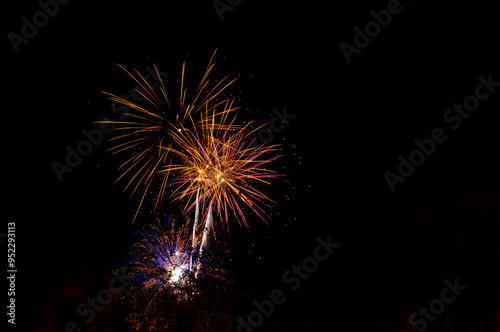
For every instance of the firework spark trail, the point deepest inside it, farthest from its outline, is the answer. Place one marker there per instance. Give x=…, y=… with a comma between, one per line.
x=195, y=225
x=204, y=240
x=149, y=133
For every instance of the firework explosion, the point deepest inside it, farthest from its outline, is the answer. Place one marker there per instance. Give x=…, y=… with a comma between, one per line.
x=162, y=290
x=160, y=259
x=149, y=132
x=221, y=168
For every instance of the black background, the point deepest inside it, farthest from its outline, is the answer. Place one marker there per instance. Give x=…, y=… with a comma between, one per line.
x=353, y=120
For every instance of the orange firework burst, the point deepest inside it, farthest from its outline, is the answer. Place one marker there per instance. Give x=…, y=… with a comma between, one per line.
x=221, y=168
x=149, y=133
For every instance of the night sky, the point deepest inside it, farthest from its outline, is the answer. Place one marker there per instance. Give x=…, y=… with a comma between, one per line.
x=353, y=119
